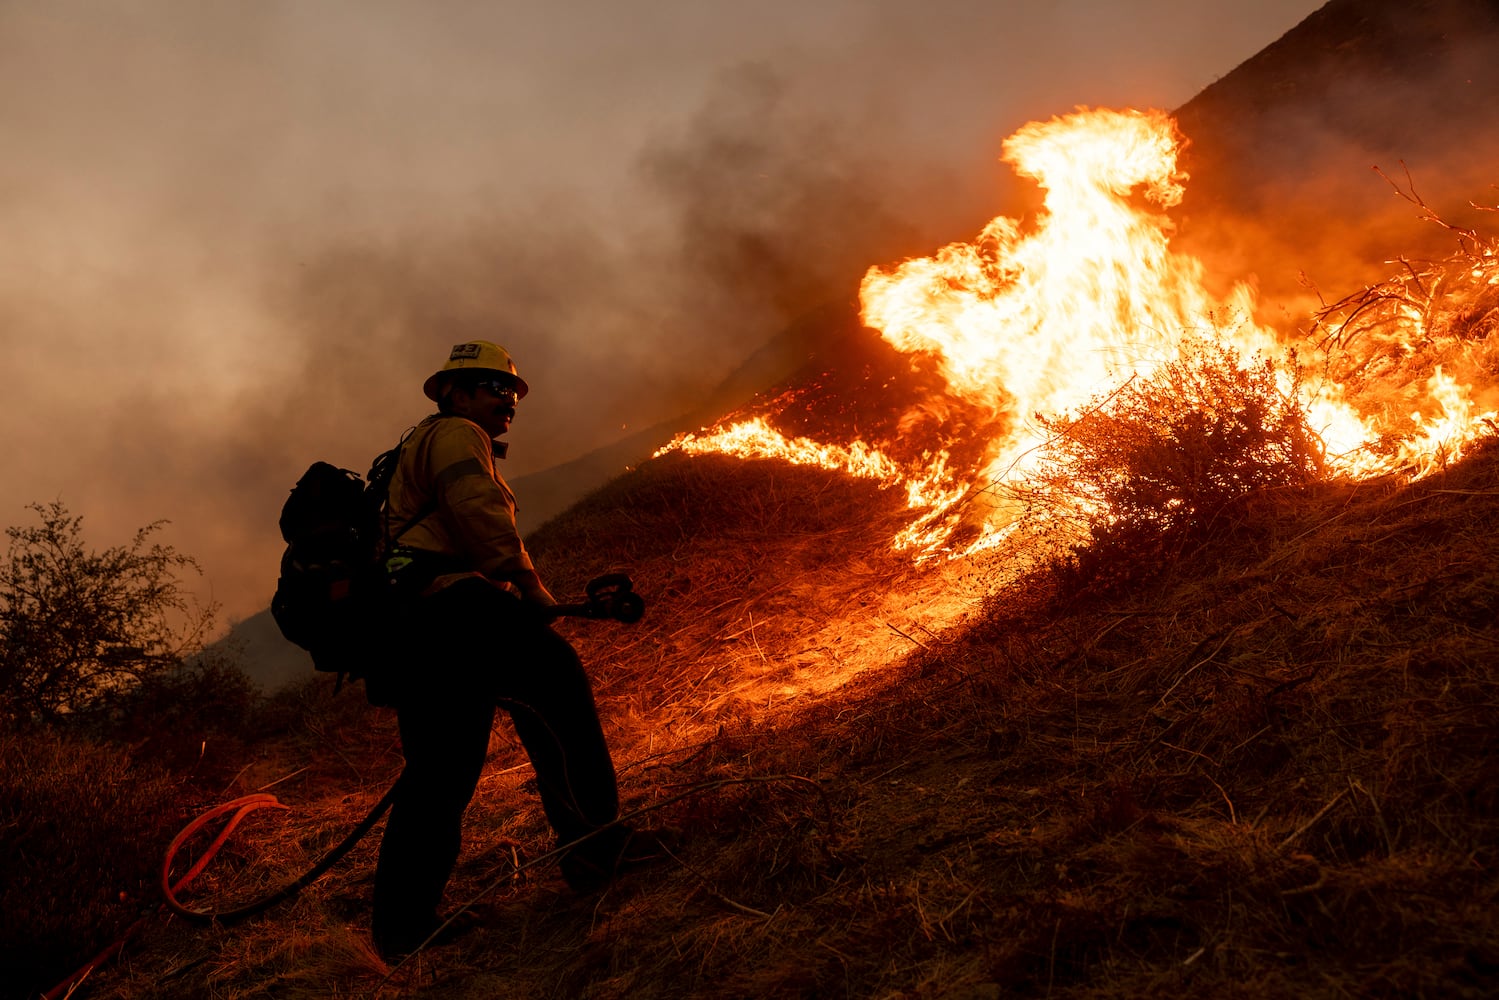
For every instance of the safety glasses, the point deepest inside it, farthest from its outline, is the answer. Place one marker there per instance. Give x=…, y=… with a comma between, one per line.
x=500, y=390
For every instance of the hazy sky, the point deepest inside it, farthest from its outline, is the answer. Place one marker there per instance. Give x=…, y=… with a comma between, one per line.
x=236, y=236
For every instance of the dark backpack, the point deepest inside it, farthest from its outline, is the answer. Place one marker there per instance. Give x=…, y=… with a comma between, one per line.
x=332, y=595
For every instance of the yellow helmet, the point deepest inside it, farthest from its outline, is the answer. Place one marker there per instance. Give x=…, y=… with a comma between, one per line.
x=475, y=355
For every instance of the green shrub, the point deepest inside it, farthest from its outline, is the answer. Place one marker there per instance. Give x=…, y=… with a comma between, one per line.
x=78, y=627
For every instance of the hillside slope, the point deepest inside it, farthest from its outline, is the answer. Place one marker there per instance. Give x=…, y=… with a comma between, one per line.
x=1261, y=764
x=1282, y=149
x=1270, y=772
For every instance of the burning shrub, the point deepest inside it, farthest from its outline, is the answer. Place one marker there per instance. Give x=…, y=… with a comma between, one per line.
x=1415, y=346
x=1152, y=467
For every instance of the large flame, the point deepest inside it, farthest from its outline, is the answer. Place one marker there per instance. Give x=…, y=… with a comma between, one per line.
x=1039, y=321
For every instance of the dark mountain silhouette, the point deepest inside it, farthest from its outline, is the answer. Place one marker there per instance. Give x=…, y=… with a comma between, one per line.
x=1282, y=149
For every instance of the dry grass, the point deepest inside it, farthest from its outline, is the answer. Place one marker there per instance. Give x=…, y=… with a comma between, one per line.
x=1265, y=768
x=763, y=578
x=1268, y=773
x=68, y=882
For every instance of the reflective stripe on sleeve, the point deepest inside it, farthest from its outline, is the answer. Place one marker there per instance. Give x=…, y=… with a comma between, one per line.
x=460, y=470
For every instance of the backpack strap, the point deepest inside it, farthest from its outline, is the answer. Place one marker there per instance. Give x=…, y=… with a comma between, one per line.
x=428, y=509
x=381, y=473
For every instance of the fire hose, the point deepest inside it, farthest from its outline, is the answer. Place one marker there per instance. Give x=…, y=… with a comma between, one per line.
x=610, y=597
x=243, y=806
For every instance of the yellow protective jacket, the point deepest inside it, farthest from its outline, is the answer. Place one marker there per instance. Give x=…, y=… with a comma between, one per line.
x=447, y=472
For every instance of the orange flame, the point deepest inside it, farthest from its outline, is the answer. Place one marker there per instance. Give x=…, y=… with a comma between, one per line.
x=756, y=439
x=1032, y=322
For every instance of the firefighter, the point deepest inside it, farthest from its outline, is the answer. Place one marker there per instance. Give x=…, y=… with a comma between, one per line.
x=476, y=638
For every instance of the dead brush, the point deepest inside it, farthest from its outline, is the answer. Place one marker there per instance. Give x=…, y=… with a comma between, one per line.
x=1165, y=461
x=1268, y=773
x=1383, y=342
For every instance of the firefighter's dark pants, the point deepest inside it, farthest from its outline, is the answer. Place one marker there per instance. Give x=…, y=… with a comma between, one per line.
x=478, y=647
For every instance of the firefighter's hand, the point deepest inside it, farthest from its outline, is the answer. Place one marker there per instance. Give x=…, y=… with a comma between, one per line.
x=533, y=591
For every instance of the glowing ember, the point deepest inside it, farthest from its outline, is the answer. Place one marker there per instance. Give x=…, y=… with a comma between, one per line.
x=1021, y=323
